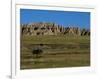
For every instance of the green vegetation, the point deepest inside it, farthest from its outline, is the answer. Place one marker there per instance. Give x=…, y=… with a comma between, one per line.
x=58, y=51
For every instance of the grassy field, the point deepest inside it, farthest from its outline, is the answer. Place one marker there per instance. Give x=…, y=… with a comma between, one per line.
x=58, y=51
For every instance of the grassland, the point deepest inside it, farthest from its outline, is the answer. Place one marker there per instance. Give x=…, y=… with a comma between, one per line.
x=58, y=51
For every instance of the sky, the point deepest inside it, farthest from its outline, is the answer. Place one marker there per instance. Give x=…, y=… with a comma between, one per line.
x=64, y=18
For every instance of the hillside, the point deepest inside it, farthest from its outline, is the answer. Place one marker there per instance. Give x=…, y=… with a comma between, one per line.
x=52, y=29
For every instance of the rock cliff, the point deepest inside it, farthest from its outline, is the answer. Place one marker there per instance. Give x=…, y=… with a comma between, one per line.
x=51, y=29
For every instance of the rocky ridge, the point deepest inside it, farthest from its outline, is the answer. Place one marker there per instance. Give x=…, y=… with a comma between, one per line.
x=52, y=29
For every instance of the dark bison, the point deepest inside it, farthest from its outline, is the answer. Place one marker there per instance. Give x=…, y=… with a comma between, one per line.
x=37, y=52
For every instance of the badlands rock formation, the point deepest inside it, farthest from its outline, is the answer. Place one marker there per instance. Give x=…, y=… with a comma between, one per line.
x=51, y=29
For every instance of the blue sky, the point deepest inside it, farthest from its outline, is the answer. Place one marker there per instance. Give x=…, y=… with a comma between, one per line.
x=64, y=18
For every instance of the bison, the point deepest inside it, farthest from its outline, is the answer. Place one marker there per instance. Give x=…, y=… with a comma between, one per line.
x=37, y=52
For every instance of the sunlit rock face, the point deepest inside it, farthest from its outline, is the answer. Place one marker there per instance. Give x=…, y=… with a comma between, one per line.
x=52, y=29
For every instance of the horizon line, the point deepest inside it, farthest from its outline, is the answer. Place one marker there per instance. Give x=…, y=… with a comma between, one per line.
x=55, y=24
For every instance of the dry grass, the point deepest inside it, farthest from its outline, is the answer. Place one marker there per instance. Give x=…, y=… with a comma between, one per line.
x=58, y=51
